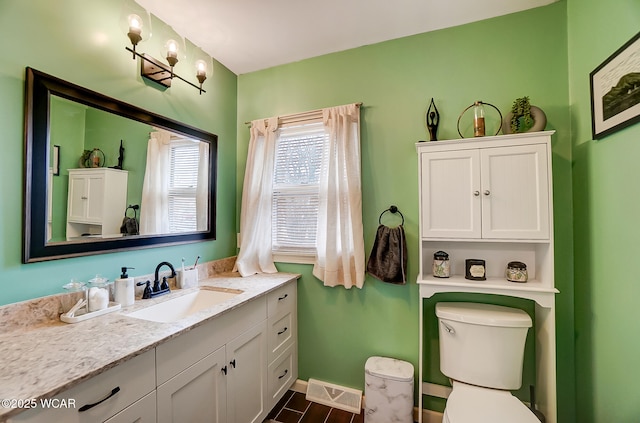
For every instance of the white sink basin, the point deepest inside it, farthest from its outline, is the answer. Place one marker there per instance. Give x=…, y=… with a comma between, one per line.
x=185, y=305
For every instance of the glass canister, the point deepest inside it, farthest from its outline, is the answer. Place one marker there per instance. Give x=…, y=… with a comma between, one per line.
x=99, y=294
x=517, y=271
x=441, y=264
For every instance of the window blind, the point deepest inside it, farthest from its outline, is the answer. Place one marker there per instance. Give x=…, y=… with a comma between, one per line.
x=300, y=158
x=183, y=181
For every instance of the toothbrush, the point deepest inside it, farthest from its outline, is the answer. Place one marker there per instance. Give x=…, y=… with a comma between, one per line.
x=196, y=263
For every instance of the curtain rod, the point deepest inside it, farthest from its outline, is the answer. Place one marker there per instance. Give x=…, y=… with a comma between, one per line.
x=301, y=115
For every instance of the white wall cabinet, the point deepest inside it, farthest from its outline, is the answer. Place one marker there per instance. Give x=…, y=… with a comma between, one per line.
x=489, y=193
x=97, y=201
x=490, y=198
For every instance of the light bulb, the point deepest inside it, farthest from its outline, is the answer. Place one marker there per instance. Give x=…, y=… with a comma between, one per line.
x=135, y=30
x=135, y=24
x=201, y=72
x=201, y=68
x=171, y=48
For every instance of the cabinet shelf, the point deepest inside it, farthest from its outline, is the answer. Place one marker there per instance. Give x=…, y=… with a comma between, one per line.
x=533, y=289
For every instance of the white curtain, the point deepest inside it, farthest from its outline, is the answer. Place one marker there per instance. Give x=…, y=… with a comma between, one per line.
x=154, y=207
x=202, y=189
x=340, y=241
x=255, y=254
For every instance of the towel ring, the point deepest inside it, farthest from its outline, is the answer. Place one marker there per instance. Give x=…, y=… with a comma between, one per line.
x=394, y=210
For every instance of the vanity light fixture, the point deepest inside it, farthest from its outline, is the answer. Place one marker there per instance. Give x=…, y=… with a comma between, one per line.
x=155, y=70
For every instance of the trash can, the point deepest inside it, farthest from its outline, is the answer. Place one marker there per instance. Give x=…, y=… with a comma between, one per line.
x=388, y=392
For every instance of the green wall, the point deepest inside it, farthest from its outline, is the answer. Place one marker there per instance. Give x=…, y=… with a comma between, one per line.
x=83, y=44
x=339, y=329
x=607, y=206
x=104, y=131
x=67, y=130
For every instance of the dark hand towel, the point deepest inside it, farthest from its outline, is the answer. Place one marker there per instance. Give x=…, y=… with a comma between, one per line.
x=388, y=259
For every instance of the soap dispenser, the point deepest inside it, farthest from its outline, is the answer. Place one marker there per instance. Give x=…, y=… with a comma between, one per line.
x=125, y=289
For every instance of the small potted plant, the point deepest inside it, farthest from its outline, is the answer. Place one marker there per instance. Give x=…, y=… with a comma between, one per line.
x=524, y=117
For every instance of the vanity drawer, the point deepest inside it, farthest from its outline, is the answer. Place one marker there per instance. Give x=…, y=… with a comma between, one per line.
x=282, y=373
x=282, y=332
x=282, y=299
x=141, y=411
x=112, y=391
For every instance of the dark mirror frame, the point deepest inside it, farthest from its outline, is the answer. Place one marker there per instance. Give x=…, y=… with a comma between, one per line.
x=39, y=87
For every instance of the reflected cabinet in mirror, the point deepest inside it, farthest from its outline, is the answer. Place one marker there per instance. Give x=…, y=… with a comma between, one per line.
x=103, y=175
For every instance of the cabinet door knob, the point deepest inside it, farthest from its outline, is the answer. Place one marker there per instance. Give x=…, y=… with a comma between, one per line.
x=224, y=370
x=233, y=363
x=84, y=198
x=476, y=193
x=487, y=192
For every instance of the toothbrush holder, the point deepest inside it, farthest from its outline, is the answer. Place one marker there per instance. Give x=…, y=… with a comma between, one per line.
x=187, y=278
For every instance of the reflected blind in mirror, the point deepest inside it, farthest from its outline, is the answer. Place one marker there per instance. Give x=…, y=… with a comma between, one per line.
x=183, y=181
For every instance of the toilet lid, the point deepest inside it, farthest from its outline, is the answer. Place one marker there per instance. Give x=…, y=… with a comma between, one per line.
x=473, y=404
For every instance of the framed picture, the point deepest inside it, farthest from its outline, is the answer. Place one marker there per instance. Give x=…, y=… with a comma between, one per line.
x=56, y=160
x=615, y=90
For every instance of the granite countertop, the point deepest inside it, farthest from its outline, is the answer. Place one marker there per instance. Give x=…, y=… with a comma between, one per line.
x=43, y=360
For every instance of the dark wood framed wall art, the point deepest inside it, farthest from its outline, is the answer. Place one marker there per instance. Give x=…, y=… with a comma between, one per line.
x=615, y=90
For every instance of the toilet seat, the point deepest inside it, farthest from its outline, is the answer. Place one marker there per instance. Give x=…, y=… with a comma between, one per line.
x=474, y=404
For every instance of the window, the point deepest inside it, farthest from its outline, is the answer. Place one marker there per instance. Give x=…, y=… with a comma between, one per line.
x=300, y=157
x=183, y=181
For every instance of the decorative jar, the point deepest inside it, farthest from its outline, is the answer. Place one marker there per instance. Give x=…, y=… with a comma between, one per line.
x=517, y=271
x=441, y=264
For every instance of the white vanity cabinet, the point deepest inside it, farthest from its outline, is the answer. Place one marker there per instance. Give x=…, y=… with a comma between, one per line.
x=196, y=394
x=230, y=369
x=97, y=201
x=123, y=394
x=221, y=371
x=490, y=198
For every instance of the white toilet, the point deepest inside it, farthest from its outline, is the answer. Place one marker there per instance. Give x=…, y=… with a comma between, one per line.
x=481, y=351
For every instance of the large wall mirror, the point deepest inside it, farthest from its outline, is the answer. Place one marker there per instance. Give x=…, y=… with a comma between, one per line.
x=102, y=175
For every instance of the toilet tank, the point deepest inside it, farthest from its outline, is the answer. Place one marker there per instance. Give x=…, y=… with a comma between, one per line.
x=482, y=344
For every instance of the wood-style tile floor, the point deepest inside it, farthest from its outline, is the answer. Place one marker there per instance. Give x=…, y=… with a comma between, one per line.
x=294, y=408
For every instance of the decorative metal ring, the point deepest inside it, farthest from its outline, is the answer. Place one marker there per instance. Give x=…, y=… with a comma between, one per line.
x=473, y=104
x=95, y=159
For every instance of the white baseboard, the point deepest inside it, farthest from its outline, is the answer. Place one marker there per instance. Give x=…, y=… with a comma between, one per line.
x=300, y=386
x=428, y=416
